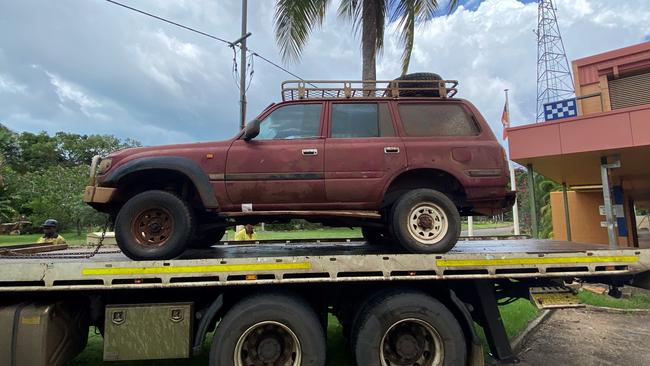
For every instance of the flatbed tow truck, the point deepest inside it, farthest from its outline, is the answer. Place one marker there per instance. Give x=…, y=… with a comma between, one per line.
x=269, y=301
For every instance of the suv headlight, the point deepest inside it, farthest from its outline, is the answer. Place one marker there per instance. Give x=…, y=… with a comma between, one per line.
x=104, y=166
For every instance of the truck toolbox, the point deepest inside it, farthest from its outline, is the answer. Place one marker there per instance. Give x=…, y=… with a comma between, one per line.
x=33, y=334
x=147, y=331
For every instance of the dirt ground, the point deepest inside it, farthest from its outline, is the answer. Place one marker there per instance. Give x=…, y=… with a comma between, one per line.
x=582, y=337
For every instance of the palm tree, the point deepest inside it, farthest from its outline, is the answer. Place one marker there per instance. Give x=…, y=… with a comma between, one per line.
x=295, y=19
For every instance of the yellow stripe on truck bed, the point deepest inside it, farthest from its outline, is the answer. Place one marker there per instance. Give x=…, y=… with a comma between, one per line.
x=194, y=269
x=535, y=261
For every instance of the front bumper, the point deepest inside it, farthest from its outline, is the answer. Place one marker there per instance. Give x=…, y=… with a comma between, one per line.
x=93, y=194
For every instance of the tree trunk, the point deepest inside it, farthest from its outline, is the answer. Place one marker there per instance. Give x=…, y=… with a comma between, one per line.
x=369, y=43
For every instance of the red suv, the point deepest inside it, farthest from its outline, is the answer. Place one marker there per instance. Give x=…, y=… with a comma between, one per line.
x=404, y=162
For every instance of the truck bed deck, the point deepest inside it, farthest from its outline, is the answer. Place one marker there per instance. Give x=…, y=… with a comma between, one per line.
x=327, y=261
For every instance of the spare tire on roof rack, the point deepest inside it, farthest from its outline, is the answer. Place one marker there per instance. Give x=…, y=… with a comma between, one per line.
x=432, y=86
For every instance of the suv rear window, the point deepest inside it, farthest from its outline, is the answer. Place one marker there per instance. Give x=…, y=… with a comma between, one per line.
x=355, y=120
x=436, y=120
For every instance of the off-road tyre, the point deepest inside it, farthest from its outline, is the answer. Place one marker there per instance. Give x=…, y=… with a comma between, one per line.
x=273, y=311
x=426, y=221
x=207, y=238
x=433, y=85
x=377, y=330
x=154, y=225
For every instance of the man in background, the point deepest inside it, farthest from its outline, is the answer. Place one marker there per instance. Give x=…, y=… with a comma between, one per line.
x=50, y=234
x=247, y=233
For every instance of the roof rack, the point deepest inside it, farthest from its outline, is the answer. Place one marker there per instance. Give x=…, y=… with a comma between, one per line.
x=323, y=89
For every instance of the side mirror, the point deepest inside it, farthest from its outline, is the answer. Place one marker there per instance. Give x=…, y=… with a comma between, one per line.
x=251, y=130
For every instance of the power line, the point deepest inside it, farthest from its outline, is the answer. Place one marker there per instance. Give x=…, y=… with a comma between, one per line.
x=171, y=22
x=231, y=44
x=274, y=64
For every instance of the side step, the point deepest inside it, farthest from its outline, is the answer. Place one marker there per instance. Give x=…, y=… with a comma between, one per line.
x=554, y=297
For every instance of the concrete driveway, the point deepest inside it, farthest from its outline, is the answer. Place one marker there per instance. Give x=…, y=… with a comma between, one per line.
x=584, y=337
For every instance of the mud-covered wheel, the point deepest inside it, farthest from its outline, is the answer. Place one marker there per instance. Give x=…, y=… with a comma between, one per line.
x=269, y=329
x=426, y=221
x=207, y=238
x=154, y=225
x=407, y=327
x=375, y=235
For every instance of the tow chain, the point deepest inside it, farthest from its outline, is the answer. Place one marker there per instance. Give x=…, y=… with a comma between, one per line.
x=66, y=255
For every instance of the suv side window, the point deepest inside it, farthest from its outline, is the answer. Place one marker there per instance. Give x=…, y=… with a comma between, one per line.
x=421, y=119
x=354, y=120
x=297, y=121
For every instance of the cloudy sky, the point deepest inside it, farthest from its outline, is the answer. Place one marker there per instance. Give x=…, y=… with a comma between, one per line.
x=87, y=66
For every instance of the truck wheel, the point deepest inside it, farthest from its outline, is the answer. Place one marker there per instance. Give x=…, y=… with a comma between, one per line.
x=153, y=225
x=408, y=328
x=269, y=329
x=207, y=238
x=426, y=221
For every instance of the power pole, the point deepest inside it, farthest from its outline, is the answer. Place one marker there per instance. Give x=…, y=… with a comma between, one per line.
x=242, y=75
x=554, y=82
x=513, y=180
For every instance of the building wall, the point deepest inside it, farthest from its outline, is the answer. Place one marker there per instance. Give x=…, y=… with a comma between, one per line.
x=584, y=216
x=591, y=75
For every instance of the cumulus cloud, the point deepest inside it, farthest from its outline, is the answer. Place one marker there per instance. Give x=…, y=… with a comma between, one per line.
x=104, y=69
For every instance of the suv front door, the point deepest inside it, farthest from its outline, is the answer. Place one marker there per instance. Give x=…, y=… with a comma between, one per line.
x=362, y=152
x=281, y=168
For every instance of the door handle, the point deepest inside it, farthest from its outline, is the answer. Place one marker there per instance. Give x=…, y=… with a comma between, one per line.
x=391, y=150
x=310, y=152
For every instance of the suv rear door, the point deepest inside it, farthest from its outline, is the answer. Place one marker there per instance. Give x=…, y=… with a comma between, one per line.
x=447, y=135
x=281, y=168
x=362, y=152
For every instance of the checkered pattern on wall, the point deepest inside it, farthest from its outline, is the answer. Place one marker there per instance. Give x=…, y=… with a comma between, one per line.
x=560, y=109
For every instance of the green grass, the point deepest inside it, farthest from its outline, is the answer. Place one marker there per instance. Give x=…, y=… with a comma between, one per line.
x=516, y=316
x=71, y=237
x=638, y=301
x=487, y=225
x=303, y=234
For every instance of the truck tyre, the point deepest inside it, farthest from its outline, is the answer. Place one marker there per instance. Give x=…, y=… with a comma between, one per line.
x=269, y=329
x=154, y=225
x=426, y=221
x=431, y=85
x=407, y=328
x=207, y=238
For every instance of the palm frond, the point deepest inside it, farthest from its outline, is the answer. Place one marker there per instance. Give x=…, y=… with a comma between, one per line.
x=294, y=20
x=408, y=14
x=351, y=10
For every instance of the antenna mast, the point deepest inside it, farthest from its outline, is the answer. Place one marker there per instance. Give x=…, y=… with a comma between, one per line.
x=554, y=82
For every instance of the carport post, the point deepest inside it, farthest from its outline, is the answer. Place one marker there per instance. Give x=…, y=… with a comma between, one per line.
x=609, y=214
x=533, y=202
x=567, y=218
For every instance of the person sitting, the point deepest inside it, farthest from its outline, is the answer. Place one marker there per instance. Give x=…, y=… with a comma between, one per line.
x=50, y=234
x=247, y=233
